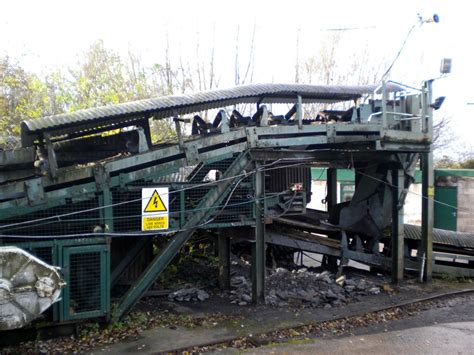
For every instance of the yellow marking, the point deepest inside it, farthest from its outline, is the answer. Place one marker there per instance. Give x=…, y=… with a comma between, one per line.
x=154, y=223
x=430, y=191
x=155, y=204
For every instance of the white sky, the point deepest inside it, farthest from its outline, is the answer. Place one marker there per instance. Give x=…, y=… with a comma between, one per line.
x=46, y=34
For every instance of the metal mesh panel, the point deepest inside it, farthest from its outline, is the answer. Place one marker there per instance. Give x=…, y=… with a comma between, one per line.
x=43, y=253
x=185, y=198
x=239, y=208
x=279, y=180
x=41, y=224
x=127, y=216
x=85, y=293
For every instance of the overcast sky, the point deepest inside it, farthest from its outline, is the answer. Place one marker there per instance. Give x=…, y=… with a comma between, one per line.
x=47, y=34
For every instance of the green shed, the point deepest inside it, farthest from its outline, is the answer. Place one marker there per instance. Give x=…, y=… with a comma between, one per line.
x=454, y=199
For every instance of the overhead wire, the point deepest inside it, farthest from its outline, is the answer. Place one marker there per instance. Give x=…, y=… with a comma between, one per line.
x=244, y=174
x=410, y=192
x=185, y=211
x=100, y=234
x=57, y=218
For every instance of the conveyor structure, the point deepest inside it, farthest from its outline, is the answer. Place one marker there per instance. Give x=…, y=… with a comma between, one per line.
x=73, y=194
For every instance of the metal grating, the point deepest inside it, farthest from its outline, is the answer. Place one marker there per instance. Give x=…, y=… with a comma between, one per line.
x=85, y=288
x=45, y=225
x=43, y=253
x=127, y=214
x=279, y=180
x=185, y=198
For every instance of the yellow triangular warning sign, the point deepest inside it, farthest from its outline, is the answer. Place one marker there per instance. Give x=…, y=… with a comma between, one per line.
x=155, y=204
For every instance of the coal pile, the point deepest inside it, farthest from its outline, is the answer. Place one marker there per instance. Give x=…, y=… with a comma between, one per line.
x=188, y=294
x=304, y=288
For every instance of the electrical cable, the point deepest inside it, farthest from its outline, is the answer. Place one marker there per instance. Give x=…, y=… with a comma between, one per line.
x=139, y=215
x=243, y=177
x=412, y=192
x=245, y=174
x=385, y=74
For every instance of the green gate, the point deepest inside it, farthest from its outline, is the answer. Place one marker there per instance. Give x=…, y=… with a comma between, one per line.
x=86, y=272
x=85, y=266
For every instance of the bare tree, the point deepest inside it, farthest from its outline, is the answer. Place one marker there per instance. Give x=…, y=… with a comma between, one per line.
x=442, y=133
x=251, y=60
x=297, y=60
x=236, y=62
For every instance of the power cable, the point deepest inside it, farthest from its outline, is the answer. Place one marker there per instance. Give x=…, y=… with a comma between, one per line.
x=411, y=192
x=57, y=218
x=245, y=175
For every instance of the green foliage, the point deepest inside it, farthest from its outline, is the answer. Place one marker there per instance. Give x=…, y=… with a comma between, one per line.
x=468, y=164
x=101, y=77
x=446, y=163
x=449, y=163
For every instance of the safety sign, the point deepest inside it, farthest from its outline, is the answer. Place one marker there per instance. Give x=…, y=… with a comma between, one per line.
x=155, y=208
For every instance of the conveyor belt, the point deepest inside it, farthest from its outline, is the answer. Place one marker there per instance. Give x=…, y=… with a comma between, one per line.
x=130, y=113
x=311, y=222
x=441, y=236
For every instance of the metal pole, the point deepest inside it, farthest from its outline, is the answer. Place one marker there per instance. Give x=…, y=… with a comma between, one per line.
x=331, y=198
x=398, y=179
x=427, y=213
x=178, y=131
x=299, y=112
x=258, y=248
x=223, y=242
x=384, y=104
x=108, y=213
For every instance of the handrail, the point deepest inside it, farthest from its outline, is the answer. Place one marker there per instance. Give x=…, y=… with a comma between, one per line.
x=410, y=115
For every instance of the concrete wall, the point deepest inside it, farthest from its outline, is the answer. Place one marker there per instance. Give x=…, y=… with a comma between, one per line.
x=465, y=212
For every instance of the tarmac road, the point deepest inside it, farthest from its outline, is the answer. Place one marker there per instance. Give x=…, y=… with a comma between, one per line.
x=446, y=330
x=447, y=338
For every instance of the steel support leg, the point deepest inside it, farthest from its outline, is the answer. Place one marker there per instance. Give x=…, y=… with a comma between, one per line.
x=427, y=211
x=258, y=248
x=224, y=261
x=203, y=211
x=107, y=213
x=331, y=198
x=398, y=181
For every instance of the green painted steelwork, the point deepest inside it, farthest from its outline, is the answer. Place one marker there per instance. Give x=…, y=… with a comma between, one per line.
x=259, y=246
x=57, y=252
x=398, y=182
x=169, y=251
x=110, y=187
x=454, y=172
x=348, y=175
x=92, y=302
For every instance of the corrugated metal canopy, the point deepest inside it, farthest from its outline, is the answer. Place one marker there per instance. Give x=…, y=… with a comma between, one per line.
x=441, y=236
x=167, y=106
